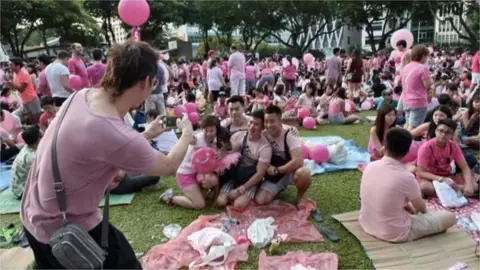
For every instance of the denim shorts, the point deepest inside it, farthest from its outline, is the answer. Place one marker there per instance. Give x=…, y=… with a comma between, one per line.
x=337, y=119
x=415, y=117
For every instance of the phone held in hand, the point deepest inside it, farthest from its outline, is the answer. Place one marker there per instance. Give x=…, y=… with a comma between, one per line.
x=170, y=122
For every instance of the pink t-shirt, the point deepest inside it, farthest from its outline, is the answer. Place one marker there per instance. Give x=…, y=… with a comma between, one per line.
x=415, y=95
x=186, y=166
x=384, y=215
x=95, y=73
x=334, y=107
x=221, y=110
x=257, y=150
x=476, y=63
x=289, y=72
x=29, y=92
x=87, y=167
x=236, y=64
x=77, y=67
x=42, y=81
x=204, y=69
x=437, y=160
x=250, y=72
x=46, y=119
x=196, y=70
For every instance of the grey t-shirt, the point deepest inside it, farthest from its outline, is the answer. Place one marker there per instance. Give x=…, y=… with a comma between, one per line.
x=53, y=72
x=161, y=81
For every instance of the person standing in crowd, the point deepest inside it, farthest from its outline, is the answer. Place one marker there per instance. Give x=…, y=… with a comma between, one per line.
x=215, y=80
x=22, y=82
x=236, y=66
x=475, y=70
x=76, y=66
x=289, y=75
x=156, y=99
x=97, y=69
x=166, y=74
x=43, y=88
x=354, y=74
x=57, y=77
x=334, y=68
x=416, y=81
x=87, y=169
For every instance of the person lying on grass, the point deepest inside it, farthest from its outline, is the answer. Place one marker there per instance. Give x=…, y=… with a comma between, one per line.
x=186, y=175
x=397, y=213
x=241, y=184
x=286, y=165
x=436, y=158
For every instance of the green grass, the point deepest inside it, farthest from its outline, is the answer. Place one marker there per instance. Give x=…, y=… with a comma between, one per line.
x=142, y=221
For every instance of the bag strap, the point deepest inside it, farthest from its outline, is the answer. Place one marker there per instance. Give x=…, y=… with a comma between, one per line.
x=58, y=184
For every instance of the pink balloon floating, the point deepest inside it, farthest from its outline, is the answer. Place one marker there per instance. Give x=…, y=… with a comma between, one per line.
x=402, y=34
x=134, y=12
x=194, y=118
x=303, y=112
x=180, y=110
x=319, y=154
x=309, y=123
x=191, y=107
x=75, y=82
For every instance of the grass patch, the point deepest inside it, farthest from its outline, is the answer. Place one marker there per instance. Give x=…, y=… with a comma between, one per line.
x=141, y=222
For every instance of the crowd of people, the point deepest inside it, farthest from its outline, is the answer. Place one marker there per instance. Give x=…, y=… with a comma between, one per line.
x=121, y=109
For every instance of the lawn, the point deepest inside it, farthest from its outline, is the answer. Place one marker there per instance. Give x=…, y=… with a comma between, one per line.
x=335, y=193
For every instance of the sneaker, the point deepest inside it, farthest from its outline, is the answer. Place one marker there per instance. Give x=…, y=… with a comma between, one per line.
x=167, y=196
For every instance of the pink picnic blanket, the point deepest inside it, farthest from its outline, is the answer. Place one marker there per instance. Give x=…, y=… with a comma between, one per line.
x=320, y=261
x=289, y=220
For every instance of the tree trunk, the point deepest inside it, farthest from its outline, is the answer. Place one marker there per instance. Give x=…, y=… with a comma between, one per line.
x=105, y=32
x=45, y=42
x=110, y=28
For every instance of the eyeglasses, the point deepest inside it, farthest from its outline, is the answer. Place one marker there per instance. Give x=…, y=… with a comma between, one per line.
x=154, y=83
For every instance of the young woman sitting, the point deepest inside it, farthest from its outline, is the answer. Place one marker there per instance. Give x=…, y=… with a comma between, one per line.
x=471, y=124
x=261, y=99
x=336, y=110
x=436, y=158
x=386, y=118
x=307, y=99
x=427, y=130
x=324, y=104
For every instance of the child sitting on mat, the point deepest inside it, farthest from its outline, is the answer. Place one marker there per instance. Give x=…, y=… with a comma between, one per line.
x=24, y=159
x=397, y=213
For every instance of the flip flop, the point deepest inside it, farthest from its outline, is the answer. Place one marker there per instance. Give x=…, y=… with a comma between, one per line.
x=327, y=232
x=317, y=215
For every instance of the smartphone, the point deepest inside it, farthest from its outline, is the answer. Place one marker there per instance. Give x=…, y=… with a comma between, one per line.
x=170, y=121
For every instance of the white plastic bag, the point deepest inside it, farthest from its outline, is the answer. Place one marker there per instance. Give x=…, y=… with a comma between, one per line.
x=338, y=154
x=301, y=267
x=447, y=196
x=475, y=216
x=261, y=232
x=212, y=244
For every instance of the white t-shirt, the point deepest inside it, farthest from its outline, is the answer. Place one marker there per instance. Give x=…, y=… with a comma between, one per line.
x=166, y=141
x=53, y=72
x=166, y=74
x=433, y=104
x=214, y=78
x=186, y=166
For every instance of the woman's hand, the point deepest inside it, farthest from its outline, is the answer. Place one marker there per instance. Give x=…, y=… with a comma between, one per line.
x=185, y=125
x=234, y=194
x=468, y=190
x=155, y=128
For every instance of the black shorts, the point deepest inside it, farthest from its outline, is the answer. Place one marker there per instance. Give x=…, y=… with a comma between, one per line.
x=120, y=253
x=59, y=101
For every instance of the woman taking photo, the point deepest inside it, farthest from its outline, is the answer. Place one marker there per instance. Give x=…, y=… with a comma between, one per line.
x=87, y=164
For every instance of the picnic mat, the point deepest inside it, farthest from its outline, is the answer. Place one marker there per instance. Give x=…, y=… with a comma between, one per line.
x=356, y=155
x=435, y=252
x=5, y=176
x=9, y=204
x=16, y=258
x=308, y=260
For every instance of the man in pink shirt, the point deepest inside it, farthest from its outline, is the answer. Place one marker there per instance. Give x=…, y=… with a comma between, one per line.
x=392, y=208
x=334, y=68
x=416, y=81
x=96, y=71
x=43, y=87
x=236, y=65
x=476, y=69
x=76, y=66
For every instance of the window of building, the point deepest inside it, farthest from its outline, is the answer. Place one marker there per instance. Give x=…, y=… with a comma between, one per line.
x=423, y=35
x=348, y=40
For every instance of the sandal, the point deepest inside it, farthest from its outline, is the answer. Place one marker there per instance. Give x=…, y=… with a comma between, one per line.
x=167, y=196
x=317, y=215
x=327, y=232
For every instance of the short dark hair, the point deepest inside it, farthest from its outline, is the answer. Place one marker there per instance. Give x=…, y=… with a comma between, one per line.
x=127, y=64
x=272, y=109
x=259, y=114
x=398, y=142
x=449, y=123
x=63, y=55
x=153, y=113
x=45, y=59
x=210, y=121
x=444, y=99
x=97, y=54
x=233, y=47
x=190, y=97
x=342, y=51
x=47, y=100
x=402, y=43
x=336, y=50
x=234, y=99
x=17, y=61
x=31, y=135
x=452, y=86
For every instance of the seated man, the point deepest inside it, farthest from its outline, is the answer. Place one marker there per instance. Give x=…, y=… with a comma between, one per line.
x=24, y=159
x=286, y=166
x=388, y=192
x=49, y=111
x=435, y=159
x=256, y=153
x=237, y=121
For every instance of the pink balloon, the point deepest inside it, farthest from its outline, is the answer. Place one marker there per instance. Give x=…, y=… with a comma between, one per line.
x=19, y=138
x=203, y=160
x=306, y=152
x=134, y=12
x=75, y=82
x=180, y=110
x=309, y=123
x=8, y=122
x=191, y=107
x=194, y=117
x=411, y=156
x=308, y=59
x=402, y=34
x=285, y=62
x=303, y=112
x=319, y=154
x=366, y=105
